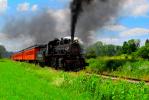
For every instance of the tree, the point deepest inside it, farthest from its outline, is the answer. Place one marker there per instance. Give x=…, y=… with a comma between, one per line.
x=147, y=42
x=90, y=53
x=125, y=48
x=143, y=52
x=2, y=51
x=133, y=45
x=130, y=46
x=100, y=49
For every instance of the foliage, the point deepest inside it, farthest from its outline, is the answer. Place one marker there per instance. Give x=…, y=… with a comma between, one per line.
x=100, y=49
x=138, y=69
x=147, y=42
x=2, y=51
x=96, y=66
x=108, y=64
x=120, y=66
x=95, y=88
x=90, y=53
x=130, y=46
x=143, y=52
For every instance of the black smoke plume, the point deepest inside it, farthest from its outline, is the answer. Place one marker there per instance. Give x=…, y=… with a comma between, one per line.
x=87, y=16
x=43, y=26
x=76, y=9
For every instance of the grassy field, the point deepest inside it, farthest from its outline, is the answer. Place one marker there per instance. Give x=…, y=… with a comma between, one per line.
x=29, y=82
x=19, y=83
x=139, y=69
x=120, y=67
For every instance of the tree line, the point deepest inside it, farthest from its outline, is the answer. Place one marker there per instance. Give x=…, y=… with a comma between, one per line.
x=3, y=52
x=130, y=47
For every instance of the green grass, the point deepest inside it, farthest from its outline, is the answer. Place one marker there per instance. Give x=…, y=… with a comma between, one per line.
x=139, y=69
x=120, y=67
x=17, y=81
x=96, y=88
x=29, y=82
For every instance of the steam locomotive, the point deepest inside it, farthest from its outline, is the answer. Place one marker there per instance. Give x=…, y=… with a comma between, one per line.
x=60, y=54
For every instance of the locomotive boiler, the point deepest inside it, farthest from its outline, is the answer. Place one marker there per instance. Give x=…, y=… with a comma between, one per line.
x=59, y=53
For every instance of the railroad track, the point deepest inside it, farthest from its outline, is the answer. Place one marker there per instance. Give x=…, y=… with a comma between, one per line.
x=113, y=77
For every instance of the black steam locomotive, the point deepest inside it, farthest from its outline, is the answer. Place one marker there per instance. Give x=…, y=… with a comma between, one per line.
x=60, y=54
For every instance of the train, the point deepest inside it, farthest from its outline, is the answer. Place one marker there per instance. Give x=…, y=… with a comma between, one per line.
x=58, y=53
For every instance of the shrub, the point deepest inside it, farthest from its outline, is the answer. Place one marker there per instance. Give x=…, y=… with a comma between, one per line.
x=100, y=65
x=96, y=66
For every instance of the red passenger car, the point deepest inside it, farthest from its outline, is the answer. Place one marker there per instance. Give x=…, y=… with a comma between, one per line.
x=28, y=54
x=17, y=56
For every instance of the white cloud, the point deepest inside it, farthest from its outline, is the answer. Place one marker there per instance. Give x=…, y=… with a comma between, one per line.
x=141, y=10
x=124, y=31
x=136, y=7
x=34, y=7
x=3, y=5
x=23, y=7
x=135, y=32
x=118, y=40
x=115, y=28
x=26, y=7
x=111, y=40
x=124, y=34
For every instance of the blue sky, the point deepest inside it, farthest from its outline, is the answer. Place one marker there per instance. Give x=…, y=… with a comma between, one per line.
x=12, y=6
x=133, y=22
